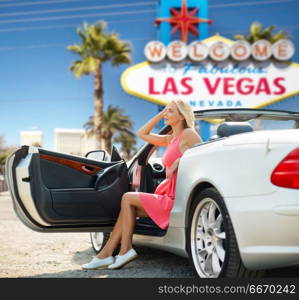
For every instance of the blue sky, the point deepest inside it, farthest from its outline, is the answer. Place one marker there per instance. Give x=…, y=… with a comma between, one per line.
x=37, y=90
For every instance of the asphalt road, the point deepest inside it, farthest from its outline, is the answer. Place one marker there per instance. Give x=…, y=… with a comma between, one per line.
x=26, y=253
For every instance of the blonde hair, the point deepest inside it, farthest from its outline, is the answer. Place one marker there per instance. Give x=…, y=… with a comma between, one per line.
x=185, y=109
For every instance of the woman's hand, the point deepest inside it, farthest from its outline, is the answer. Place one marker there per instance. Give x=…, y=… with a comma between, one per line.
x=163, y=111
x=144, y=132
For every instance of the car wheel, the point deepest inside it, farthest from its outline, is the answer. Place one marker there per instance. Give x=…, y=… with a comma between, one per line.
x=211, y=242
x=99, y=240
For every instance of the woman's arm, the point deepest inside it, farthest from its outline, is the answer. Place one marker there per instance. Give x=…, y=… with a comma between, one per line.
x=145, y=131
x=189, y=138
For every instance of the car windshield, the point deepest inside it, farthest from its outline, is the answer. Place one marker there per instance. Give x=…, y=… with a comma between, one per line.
x=257, y=119
x=245, y=114
x=256, y=124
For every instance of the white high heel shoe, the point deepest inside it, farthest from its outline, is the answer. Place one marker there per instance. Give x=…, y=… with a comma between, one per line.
x=122, y=260
x=98, y=263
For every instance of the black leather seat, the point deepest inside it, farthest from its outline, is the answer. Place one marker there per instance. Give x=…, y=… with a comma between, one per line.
x=230, y=128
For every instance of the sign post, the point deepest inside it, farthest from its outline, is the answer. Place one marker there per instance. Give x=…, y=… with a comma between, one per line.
x=164, y=35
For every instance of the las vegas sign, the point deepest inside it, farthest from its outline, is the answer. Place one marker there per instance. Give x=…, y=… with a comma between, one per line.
x=215, y=73
x=212, y=73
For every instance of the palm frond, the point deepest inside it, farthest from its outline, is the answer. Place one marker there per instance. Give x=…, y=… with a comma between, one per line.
x=78, y=49
x=258, y=32
x=267, y=33
x=74, y=65
x=255, y=28
x=280, y=35
x=97, y=47
x=240, y=37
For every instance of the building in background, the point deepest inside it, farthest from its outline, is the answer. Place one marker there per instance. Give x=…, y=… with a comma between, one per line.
x=73, y=141
x=31, y=138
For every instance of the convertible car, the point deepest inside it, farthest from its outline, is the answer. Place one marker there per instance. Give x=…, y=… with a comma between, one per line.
x=236, y=210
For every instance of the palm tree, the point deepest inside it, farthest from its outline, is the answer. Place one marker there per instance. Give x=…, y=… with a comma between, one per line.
x=258, y=32
x=127, y=142
x=114, y=121
x=5, y=151
x=36, y=144
x=98, y=47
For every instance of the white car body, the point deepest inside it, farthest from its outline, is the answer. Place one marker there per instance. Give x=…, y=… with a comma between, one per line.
x=265, y=217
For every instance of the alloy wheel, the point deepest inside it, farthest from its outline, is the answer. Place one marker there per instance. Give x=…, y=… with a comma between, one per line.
x=97, y=239
x=208, y=239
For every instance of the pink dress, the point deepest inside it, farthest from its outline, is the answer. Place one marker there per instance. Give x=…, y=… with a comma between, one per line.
x=158, y=205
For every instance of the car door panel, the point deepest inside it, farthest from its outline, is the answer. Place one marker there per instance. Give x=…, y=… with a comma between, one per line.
x=56, y=189
x=55, y=175
x=93, y=203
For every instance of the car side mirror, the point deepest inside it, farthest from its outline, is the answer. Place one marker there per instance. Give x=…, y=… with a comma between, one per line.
x=115, y=156
x=99, y=155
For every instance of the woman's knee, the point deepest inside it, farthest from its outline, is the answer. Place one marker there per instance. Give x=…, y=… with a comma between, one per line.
x=125, y=199
x=130, y=198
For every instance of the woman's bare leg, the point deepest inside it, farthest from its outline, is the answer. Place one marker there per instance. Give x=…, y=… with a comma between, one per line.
x=131, y=207
x=124, y=226
x=129, y=218
x=113, y=240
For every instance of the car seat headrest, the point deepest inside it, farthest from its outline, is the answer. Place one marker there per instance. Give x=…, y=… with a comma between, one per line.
x=231, y=128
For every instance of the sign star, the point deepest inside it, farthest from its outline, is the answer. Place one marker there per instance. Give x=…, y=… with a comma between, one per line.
x=184, y=21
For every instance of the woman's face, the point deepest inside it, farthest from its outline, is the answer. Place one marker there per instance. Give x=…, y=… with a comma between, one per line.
x=172, y=115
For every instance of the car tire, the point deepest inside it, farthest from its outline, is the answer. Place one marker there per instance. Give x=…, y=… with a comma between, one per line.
x=211, y=241
x=99, y=240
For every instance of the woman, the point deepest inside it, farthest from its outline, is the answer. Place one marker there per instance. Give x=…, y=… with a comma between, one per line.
x=179, y=115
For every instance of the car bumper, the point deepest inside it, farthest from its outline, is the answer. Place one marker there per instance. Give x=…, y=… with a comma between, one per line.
x=266, y=228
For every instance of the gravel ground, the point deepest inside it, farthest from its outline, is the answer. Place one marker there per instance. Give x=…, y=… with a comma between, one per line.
x=26, y=253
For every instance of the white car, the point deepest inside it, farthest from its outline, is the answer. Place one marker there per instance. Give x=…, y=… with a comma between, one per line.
x=236, y=210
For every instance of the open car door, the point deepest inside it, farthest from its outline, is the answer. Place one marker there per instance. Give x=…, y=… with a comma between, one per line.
x=54, y=191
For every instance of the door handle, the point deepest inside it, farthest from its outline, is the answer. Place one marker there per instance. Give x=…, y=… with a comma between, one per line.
x=88, y=169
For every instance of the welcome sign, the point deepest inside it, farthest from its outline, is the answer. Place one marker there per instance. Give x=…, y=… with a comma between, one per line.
x=211, y=84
